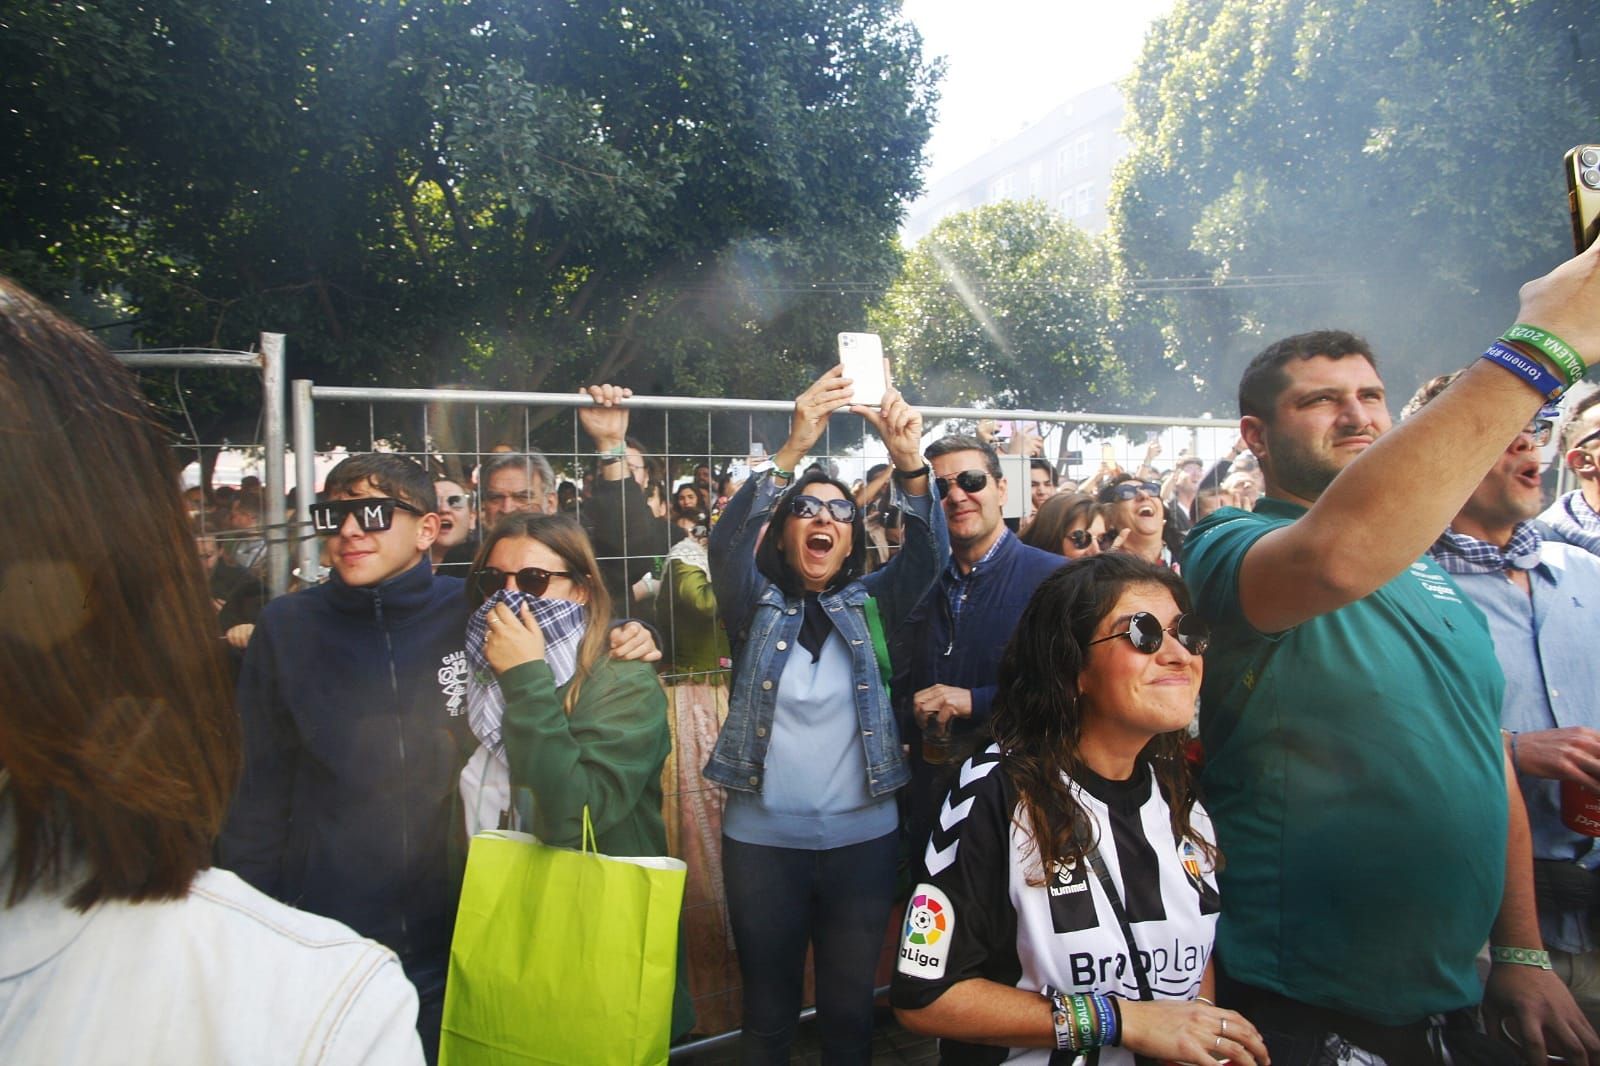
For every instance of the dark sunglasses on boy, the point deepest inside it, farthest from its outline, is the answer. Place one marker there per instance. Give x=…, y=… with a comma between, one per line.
x=968, y=481
x=454, y=503
x=533, y=580
x=374, y=514
x=1146, y=633
x=1129, y=489
x=810, y=507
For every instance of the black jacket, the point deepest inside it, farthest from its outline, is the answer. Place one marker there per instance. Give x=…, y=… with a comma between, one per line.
x=353, y=702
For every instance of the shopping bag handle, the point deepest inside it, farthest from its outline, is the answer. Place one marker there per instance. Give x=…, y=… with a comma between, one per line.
x=588, y=833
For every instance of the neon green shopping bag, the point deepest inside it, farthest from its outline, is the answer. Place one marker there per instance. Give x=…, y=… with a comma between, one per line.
x=561, y=956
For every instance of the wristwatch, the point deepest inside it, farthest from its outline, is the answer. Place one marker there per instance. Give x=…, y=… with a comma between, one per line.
x=907, y=475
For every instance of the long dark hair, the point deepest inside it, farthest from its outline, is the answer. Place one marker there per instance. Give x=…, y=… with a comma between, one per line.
x=1038, y=720
x=117, y=725
x=563, y=535
x=770, y=560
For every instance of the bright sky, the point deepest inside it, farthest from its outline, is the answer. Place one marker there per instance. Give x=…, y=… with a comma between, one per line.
x=1009, y=62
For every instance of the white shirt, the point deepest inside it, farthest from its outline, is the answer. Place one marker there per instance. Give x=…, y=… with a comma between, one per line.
x=224, y=976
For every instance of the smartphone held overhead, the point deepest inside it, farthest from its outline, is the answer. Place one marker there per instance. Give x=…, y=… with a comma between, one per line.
x=1583, y=193
x=861, y=356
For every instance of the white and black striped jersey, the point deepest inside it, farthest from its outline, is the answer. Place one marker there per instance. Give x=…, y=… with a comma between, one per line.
x=976, y=916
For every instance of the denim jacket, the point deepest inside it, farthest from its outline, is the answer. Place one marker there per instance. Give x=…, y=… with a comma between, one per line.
x=764, y=627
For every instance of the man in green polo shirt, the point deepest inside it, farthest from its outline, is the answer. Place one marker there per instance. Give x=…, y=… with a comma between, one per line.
x=1373, y=837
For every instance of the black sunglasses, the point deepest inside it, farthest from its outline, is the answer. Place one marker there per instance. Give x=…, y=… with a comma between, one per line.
x=1082, y=538
x=373, y=513
x=1146, y=634
x=968, y=481
x=1129, y=489
x=810, y=507
x=453, y=502
x=530, y=579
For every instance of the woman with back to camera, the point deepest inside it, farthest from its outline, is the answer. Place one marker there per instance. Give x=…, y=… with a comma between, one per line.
x=576, y=728
x=810, y=755
x=1075, y=833
x=119, y=752
x=1069, y=524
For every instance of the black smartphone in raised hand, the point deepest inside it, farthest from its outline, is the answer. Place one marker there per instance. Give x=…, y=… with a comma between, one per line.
x=1583, y=193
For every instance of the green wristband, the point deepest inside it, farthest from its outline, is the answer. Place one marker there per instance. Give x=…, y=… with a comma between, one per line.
x=1551, y=347
x=1521, y=957
x=787, y=475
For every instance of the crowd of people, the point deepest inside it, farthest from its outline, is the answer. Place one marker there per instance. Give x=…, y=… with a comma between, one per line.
x=1295, y=759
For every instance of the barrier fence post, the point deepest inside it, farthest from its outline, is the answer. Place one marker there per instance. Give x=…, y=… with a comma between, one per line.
x=273, y=444
x=305, y=478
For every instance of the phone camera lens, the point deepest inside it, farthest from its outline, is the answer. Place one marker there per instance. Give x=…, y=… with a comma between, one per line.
x=1589, y=157
x=1591, y=177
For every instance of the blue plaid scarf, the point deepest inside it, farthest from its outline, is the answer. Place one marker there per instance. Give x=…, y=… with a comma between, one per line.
x=561, y=622
x=1457, y=553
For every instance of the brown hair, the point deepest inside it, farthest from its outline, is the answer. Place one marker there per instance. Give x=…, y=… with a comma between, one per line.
x=117, y=726
x=1056, y=517
x=563, y=535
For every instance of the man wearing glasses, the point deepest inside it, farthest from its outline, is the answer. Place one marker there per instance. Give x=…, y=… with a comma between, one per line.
x=947, y=653
x=1539, y=597
x=458, y=529
x=1575, y=517
x=1374, y=833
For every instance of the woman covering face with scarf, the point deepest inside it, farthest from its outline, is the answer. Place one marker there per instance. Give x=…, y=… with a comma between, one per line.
x=575, y=727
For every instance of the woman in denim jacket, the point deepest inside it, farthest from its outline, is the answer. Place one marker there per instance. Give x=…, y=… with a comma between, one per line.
x=810, y=755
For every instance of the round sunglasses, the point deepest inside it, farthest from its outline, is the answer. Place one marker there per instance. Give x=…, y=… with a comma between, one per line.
x=533, y=580
x=810, y=507
x=1146, y=633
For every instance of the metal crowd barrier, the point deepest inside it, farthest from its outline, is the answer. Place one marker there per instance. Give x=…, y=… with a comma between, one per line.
x=269, y=363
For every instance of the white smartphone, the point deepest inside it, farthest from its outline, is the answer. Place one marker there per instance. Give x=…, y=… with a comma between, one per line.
x=861, y=355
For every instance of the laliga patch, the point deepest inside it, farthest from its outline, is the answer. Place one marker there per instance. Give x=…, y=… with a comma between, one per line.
x=925, y=941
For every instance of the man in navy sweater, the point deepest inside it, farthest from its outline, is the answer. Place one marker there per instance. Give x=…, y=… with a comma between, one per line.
x=947, y=653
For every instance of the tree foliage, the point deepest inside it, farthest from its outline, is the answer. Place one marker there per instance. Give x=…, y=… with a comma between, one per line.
x=1389, y=168
x=495, y=193
x=1005, y=304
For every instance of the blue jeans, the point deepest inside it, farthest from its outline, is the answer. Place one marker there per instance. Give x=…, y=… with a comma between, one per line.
x=838, y=901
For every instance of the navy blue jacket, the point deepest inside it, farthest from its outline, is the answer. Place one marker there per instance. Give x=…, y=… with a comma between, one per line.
x=929, y=650
x=353, y=704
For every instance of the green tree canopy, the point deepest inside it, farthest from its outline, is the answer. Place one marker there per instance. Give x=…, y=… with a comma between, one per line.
x=501, y=193
x=1005, y=304
x=1388, y=168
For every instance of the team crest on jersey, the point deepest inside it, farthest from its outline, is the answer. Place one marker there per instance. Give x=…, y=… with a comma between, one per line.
x=925, y=940
x=1191, y=859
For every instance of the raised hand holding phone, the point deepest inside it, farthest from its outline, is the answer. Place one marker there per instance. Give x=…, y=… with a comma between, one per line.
x=1583, y=194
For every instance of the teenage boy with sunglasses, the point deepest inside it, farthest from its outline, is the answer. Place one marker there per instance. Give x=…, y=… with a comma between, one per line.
x=1575, y=517
x=947, y=654
x=352, y=697
x=1351, y=707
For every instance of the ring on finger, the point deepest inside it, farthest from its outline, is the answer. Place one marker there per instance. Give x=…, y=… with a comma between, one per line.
x=1219, y=1042
x=1224, y=1027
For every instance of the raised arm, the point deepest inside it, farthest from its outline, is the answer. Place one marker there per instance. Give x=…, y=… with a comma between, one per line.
x=1384, y=510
